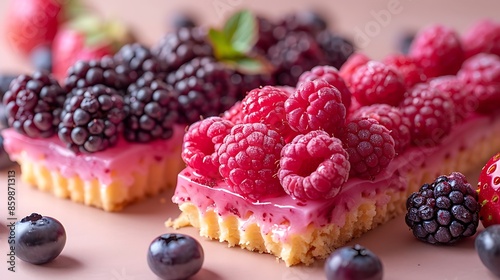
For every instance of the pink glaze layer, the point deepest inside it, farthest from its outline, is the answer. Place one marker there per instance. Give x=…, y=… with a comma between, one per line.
x=285, y=215
x=117, y=162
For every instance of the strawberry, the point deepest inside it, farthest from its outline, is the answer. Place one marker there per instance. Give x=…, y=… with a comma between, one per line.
x=31, y=23
x=488, y=189
x=84, y=38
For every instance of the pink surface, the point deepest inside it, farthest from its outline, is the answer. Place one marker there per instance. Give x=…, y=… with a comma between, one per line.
x=112, y=246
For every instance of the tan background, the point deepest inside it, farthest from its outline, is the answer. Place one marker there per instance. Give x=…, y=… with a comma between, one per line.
x=112, y=246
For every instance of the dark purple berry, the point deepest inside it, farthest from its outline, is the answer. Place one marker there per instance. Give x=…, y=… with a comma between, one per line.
x=5, y=80
x=33, y=104
x=445, y=211
x=337, y=49
x=41, y=58
x=39, y=239
x=92, y=119
x=487, y=246
x=175, y=256
x=355, y=262
x=153, y=110
x=182, y=20
x=133, y=60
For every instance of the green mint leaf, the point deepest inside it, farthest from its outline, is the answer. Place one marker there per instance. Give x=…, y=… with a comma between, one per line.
x=249, y=65
x=222, y=46
x=241, y=31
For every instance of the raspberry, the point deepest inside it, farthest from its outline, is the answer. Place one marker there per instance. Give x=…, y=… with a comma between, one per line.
x=463, y=102
x=431, y=114
x=390, y=117
x=438, y=50
x=92, y=119
x=234, y=113
x=33, y=104
x=332, y=76
x=445, y=211
x=353, y=62
x=267, y=105
x=370, y=147
x=412, y=74
x=481, y=77
x=375, y=82
x=315, y=105
x=201, y=141
x=482, y=37
x=248, y=158
x=313, y=166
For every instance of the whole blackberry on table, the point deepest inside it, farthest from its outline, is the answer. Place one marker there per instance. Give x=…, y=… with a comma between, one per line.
x=182, y=45
x=33, y=104
x=134, y=59
x=204, y=89
x=92, y=119
x=153, y=110
x=94, y=72
x=296, y=53
x=336, y=48
x=444, y=211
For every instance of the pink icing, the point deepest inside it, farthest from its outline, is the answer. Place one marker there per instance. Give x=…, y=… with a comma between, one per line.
x=285, y=215
x=119, y=161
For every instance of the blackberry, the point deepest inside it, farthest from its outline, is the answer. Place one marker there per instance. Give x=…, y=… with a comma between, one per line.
x=135, y=59
x=296, y=53
x=204, y=89
x=444, y=211
x=246, y=82
x=153, y=110
x=92, y=119
x=336, y=48
x=182, y=45
x=306, y=21
x=33, y=104
x=265, y=37
x=94, y=72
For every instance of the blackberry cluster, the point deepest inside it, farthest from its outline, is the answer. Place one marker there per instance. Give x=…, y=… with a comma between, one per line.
x=181, y=46
x=92, y=119
x=153, y=110
x=204, y=89
x=444, y=211
x=33, y=104
x=133, y=60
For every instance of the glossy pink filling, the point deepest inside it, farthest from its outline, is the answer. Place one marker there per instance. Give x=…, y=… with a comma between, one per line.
x=285, y=215
x=118, y=162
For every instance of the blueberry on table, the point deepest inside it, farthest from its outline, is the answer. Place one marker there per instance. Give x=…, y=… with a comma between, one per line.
x=39, y=239
x=175, y=256
x=356, y=262
x=487, y=245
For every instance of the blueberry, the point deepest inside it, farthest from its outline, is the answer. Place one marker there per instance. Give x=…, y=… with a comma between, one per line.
x=487, y=245
x=354, y=262
x=175, y=256
x=41, y=58
x=39, y=239
x=5, y=80
x=182, y=20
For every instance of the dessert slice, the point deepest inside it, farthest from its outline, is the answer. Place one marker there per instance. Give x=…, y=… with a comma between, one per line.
x=315, y=194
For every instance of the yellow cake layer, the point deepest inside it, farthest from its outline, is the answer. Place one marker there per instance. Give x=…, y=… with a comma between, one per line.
x=110, y=197
x=319, y=242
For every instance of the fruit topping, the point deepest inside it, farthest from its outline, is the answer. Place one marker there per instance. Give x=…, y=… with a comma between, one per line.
x=153, y=110
x=204, y=89
x=39, y=239
x=431, y=114
x=248, y=159
x=445, y=211
x=370, y=147
x=315, y=105
x=375, y=82
x=406, y=66
x=201, y=142
x=482, y=37
x=41, y=58
x=135, y=59
x=488, y=189
x=92, y=119
x=353, y=62
x=390, y=117
x=487, y=246
x=353, y=262
x=337, y=48
x=480, y=75
x=438, y=50
x=33, y=104
x=182, y=20
x=313, y=166
x=175, y=256
x=452, y=87
x=332, y=76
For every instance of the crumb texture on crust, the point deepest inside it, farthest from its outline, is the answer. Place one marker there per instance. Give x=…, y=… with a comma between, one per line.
x=112, y=197
x=318, y=242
